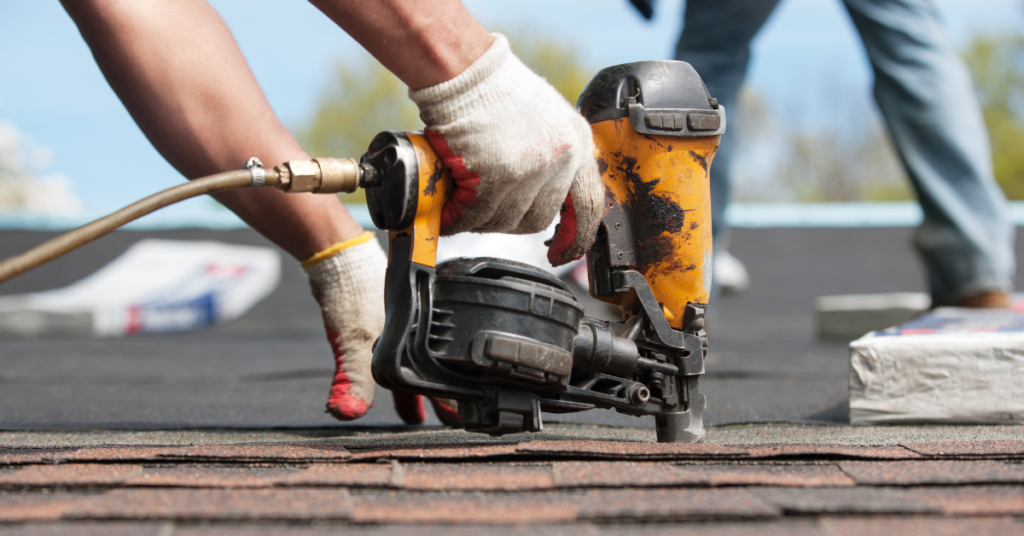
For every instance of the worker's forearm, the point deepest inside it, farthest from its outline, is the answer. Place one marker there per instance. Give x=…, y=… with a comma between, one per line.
x=424, y=42
x=182, y=77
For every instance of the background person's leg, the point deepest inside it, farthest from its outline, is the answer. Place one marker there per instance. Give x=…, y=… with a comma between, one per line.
x=716, y=41
x=924, y=91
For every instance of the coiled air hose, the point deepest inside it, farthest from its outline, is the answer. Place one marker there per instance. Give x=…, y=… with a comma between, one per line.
x=320, y=175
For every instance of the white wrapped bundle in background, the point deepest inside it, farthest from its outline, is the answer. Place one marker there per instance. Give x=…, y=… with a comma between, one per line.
x=951, y=365
x=154, y=286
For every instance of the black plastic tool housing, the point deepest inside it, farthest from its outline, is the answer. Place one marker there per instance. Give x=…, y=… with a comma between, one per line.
x=508, y=341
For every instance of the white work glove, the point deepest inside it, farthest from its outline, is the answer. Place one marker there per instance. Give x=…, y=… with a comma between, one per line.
x=518, y=152
x=348, y=282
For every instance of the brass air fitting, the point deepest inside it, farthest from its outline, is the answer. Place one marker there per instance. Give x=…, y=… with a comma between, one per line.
x=320, y=175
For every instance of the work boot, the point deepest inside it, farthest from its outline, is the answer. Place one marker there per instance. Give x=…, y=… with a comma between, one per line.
x=729, y=273
x=985, y=300
x=347, y=280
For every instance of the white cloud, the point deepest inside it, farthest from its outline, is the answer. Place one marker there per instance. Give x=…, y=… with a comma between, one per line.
x=23, y=186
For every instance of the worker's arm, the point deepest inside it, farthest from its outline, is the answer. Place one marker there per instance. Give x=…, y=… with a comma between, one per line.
x=179, y=72
x=182, y=77
x=423, y=42
x=516, y=148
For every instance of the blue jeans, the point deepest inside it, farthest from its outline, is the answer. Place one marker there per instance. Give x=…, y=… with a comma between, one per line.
x=925, y=94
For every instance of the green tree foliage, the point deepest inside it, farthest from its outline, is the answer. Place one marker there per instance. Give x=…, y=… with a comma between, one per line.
x=559, y=63
x=824, y=166
x=364, y=98
x=997, y=63
x=847, y=157
x=850, y=158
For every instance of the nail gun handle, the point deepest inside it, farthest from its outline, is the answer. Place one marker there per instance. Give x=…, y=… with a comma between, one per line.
x=412, y=188
x=434, y=185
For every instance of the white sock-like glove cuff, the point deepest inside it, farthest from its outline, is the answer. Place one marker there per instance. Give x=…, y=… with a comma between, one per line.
x=440, y=101
x=355, y=272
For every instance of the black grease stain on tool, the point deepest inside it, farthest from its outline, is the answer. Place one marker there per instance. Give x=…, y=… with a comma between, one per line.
x=693, y=225
x=700, y=160
x=669, y=148
x=609, y=198
x=653, y=217
x=431, y=188
x=602, y=166
x=652, y=140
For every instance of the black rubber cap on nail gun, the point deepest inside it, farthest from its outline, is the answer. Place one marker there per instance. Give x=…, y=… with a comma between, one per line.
x=660, y=97
x=393, y=197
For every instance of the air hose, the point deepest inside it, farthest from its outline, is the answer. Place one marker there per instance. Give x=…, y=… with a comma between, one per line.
x=320, y=175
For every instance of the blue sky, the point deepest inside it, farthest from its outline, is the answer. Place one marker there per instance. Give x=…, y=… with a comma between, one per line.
x=52, y=91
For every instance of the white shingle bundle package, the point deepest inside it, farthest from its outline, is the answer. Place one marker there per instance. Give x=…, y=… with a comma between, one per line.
x=154, y=286
x=950, y=365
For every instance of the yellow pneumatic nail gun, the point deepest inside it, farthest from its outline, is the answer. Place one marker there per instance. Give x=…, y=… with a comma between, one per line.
x=505, y=339
x=508, y=340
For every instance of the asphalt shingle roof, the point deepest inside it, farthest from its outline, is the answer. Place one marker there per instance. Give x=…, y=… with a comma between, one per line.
x=220, y=432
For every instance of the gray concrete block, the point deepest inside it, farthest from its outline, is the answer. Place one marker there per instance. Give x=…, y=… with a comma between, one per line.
x=847, y=317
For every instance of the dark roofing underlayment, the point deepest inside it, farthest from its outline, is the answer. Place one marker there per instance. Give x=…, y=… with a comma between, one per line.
x=199, y=434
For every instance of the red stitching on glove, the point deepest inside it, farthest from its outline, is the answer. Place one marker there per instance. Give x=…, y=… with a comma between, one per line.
x=412, y=410
x=340, y=403
x=558, y=151
x=466, y=182
x=446, y=414
x=410, y=407
x=565, y=234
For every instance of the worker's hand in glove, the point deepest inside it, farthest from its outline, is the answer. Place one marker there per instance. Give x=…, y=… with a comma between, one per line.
x=347, y=280
x=518, y=152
